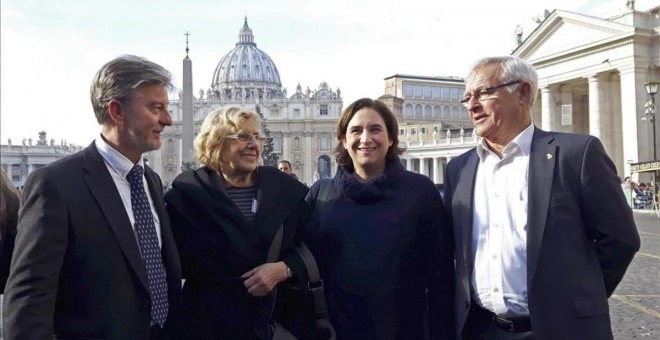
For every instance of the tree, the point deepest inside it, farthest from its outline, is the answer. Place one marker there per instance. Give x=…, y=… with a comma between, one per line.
x=270, y=158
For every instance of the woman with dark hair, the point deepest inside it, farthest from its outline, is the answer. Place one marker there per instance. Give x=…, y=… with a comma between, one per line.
x=383, y=237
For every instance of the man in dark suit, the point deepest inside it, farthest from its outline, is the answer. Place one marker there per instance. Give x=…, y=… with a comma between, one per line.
x=543, y=232
x=95, y=256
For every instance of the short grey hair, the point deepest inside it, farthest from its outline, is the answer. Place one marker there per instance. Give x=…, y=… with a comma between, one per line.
x=511, y=68
x=120, y=77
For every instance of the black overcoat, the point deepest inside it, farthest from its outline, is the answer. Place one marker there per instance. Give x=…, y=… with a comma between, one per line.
x=217, y=245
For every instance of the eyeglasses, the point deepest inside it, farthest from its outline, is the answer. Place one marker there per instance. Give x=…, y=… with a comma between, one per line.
x=486, y=93
x=247, y=137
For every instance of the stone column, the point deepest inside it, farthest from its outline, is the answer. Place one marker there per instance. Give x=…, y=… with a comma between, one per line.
x=636, y=134
x=409, y=164
x=595, y=96
x=436, y=173
x=442, y=163
x=547, y=112
x=286, y=141
x=308, y=162
x=614, y=140
x=423, y=166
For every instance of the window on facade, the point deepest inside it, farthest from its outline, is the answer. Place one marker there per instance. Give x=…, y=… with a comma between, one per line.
x=445, y=93
x=436, y=129
x=275, y=112
x=418, y=111
x=436, y=92
x=427, y=91
x=437, y=111
x=323, y=111
x=423, y=130
x=296, y=112
x=413, y=131
x=407, y=90
x=428, y=113
x=324, y=143
x=277, y=143
x=418, y=91
x=296, y=143
x=455, y=93
x=402, y=132
x=246, y=70
x=454, y=112
x=445, y=112
x=170, y=146
x=409, y=110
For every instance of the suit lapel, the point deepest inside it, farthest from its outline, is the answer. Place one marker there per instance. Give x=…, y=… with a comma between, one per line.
x=103, y=188
x=542, y=160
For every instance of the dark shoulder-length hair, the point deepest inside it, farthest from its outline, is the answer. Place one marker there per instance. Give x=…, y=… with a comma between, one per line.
x=341, y=154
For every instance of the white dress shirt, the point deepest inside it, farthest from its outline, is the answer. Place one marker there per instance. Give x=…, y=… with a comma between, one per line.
x=499, y=229
x=119, y=166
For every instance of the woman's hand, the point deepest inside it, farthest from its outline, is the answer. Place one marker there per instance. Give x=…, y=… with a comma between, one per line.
x=261, y=280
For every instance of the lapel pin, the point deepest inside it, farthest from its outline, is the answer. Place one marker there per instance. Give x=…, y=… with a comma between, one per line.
x=549, y=155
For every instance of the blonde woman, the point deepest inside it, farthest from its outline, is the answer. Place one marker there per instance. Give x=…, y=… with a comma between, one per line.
x=225, y=216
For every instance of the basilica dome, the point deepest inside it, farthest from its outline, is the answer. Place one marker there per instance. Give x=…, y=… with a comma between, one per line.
x=246, y=72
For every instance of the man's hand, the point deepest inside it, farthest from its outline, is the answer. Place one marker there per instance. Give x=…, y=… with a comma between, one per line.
x=261, y=280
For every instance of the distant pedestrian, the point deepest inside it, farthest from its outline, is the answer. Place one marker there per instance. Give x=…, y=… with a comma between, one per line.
x=285, y=166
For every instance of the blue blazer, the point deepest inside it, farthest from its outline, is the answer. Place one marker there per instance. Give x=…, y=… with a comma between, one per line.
x=581, y=235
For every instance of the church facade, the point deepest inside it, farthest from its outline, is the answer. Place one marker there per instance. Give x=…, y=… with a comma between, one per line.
x=592, y=73
x=301, y=124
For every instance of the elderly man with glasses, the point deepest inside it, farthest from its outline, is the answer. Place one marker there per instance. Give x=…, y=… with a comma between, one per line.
x=543, y=233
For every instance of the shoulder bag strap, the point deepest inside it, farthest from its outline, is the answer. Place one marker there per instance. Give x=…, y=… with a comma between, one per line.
x=276, y=246
x=322, y=198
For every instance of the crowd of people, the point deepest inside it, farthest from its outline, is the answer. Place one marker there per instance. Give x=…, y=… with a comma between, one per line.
x=530, y=239
x=639, y=196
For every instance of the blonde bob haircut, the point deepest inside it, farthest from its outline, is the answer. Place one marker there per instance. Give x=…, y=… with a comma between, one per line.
x=217, y=125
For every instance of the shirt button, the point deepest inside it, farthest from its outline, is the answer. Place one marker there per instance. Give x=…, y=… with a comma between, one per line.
x=496, y=290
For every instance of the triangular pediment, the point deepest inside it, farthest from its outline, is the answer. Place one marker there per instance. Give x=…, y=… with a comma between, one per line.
x=562, y=32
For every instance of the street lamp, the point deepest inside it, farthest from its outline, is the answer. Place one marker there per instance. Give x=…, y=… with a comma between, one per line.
x=651, y=88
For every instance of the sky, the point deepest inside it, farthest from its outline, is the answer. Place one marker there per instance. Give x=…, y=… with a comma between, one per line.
x=50, y=49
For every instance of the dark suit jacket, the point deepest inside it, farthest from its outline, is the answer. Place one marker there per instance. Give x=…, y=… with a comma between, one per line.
x=12, y=204
x=77, y=271
x=217, y=245
x=581, y=235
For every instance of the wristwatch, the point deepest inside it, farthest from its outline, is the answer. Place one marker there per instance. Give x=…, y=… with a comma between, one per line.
x=289, y=272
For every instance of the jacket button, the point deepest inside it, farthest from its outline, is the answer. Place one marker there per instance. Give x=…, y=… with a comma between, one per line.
x=467, y=304
x=146, y=306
